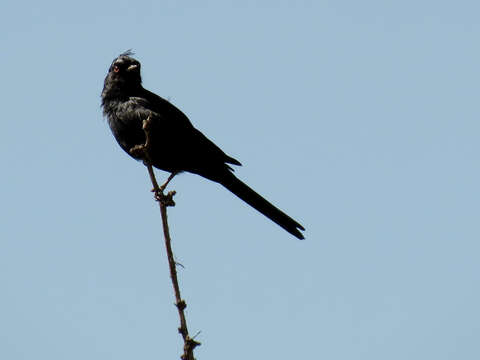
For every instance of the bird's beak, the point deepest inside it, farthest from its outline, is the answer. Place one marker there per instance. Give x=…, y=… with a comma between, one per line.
x=132, y=67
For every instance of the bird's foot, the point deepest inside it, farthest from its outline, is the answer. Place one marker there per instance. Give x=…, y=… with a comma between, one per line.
x=138, y=151
x=166, y=200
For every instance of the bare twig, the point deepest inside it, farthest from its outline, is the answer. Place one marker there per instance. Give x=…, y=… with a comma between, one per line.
x=164, y=201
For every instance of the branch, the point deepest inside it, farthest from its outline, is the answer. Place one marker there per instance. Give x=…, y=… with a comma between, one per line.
x=164, y=201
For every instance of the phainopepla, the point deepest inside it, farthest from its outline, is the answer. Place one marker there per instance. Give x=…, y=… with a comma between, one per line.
x=175, y=145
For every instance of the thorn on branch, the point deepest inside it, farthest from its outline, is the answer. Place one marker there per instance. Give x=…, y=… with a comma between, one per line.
x=181, y=305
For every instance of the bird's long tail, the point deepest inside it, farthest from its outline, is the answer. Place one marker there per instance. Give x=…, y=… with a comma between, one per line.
x=255, y=200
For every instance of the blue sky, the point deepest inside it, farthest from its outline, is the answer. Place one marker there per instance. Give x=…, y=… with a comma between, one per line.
x=359, y=119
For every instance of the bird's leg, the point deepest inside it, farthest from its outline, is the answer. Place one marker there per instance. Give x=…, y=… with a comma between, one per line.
x=164, y=185
x=166, y=200
x=158, y=190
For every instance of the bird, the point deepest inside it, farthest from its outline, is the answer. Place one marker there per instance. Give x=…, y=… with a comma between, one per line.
x=175, y=144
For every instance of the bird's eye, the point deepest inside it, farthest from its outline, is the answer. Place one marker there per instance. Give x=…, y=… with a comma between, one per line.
x=116, y=68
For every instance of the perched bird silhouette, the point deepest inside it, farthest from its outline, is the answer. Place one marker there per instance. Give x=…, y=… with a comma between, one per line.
x=175, y=145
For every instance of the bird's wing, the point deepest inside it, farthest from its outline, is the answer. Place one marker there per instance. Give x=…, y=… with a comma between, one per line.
x=179, y=135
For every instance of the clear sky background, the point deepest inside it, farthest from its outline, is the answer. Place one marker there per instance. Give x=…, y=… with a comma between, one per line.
x=358, y=118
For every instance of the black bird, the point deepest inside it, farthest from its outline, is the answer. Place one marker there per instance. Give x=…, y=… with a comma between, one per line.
x=175, y=145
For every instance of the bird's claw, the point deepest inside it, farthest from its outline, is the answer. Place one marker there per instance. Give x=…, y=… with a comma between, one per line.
x=166, y=200
x=138, y=151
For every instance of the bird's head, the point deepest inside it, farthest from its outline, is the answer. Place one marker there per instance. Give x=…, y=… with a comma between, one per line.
x=123, y=76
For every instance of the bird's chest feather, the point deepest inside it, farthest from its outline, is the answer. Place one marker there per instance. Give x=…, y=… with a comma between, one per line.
x=125, y=121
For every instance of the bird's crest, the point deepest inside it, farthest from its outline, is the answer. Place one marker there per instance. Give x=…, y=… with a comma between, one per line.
x=129, y=52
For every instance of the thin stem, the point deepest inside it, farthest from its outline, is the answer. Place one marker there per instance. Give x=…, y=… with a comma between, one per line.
x=167, y=200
